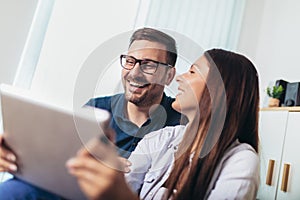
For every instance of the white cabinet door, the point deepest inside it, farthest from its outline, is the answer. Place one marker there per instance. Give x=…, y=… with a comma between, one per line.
x=291, y=156
x=272, y=129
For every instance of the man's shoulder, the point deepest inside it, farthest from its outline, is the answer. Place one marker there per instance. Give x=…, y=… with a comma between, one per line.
x=104, y=102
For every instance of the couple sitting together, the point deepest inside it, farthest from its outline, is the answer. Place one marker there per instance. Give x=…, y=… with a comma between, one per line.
x=201, y=145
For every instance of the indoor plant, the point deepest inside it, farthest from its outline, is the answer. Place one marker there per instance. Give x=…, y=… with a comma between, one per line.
x=274, y=93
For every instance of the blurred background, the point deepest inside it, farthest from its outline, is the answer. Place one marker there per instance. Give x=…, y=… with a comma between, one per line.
x=44, y=43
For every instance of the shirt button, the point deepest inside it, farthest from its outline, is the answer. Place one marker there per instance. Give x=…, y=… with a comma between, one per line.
x=175, y=148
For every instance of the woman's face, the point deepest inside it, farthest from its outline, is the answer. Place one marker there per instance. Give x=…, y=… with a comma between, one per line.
x=191, y=85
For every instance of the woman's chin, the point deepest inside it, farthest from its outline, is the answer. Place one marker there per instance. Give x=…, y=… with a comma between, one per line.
x=176, y=106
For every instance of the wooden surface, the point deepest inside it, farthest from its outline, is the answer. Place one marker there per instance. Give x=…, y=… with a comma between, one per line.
x=290, y=109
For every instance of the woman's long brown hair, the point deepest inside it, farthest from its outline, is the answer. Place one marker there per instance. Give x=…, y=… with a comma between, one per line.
x=228, y=111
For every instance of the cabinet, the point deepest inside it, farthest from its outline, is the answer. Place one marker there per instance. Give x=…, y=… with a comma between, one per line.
x=279, y=133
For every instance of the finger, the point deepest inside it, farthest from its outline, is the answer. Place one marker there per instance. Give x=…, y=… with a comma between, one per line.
x=6, y=166
x=125, y=161
x=91, y=166
x=76, y=162
x=125, y=164
x=83, y=174
x=93, y=188
x=7, y=158
x=126, y=170
x=8, y=162
x=4, y=152
x=7, y=155
x=87, y=163
x=96, y=178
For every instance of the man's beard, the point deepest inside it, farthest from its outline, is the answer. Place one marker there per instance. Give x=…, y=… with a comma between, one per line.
x=147, y=99
x=139, y=101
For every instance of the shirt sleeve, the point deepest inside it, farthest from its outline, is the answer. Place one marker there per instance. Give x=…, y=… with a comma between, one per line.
x=100, y=102
x=91, y=103
x=238, y=178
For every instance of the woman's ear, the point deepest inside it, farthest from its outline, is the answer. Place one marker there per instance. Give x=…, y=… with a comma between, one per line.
x=170, y=75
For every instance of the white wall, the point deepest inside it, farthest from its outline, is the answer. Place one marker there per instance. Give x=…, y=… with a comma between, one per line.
x=15, y=21
x=270, y=37
x=75, y=30
x=251, y=27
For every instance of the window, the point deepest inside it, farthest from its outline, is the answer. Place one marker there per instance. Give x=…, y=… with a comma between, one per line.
x=210, y=23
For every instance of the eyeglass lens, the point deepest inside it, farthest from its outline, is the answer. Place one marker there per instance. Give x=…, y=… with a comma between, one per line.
x=146, y=66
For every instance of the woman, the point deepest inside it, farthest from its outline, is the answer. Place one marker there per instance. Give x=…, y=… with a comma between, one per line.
x=213, y=157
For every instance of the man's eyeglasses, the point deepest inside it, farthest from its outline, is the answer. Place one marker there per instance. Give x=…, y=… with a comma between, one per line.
x=146, y=65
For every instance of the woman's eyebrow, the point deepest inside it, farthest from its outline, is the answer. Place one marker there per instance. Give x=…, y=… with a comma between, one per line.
x=193, y=66
x=196, y=68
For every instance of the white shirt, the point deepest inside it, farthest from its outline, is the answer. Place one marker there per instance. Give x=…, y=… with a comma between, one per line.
x=236, y=176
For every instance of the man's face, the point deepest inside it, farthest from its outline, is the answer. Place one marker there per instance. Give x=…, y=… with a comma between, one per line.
x=144, y=89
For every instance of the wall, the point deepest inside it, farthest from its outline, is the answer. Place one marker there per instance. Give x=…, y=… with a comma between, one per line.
x=270, y=36
x=251, y=27
x=15, y=21
x=75, y=30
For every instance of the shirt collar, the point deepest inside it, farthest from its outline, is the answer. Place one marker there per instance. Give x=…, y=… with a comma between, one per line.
x=118, y=107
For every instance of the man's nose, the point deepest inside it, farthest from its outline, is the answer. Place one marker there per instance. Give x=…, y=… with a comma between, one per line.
x=136, y=70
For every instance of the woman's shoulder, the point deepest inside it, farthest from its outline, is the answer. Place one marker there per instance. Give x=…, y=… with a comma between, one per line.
x=238, y=168
x=242, y=153
x=241, y=160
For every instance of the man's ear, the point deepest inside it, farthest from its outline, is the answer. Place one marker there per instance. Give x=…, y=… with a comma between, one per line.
x=170, y=75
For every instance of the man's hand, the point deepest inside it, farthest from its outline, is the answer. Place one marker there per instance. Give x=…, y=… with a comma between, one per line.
x=7, y=158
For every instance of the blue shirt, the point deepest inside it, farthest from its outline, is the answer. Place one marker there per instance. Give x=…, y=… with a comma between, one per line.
x=129, y=134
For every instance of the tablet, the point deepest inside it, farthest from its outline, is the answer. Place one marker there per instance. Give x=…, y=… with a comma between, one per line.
x=44, y=136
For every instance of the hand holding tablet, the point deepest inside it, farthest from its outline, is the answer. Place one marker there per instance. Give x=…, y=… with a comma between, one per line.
x=44, y=136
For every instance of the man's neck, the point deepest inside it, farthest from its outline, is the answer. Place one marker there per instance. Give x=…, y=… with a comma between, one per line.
x=139, y=114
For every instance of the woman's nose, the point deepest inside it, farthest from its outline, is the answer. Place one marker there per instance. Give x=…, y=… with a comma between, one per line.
x=179, y=78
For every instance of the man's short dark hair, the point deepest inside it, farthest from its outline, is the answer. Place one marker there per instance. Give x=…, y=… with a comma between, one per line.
x=154, y=35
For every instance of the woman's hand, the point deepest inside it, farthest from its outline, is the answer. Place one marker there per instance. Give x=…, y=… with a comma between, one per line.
x=100, y=176
x=7, y=158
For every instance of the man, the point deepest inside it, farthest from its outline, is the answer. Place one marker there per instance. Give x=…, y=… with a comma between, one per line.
x=147, y=67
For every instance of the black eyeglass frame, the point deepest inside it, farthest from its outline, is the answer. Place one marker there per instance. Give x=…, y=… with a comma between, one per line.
x=140, y=63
